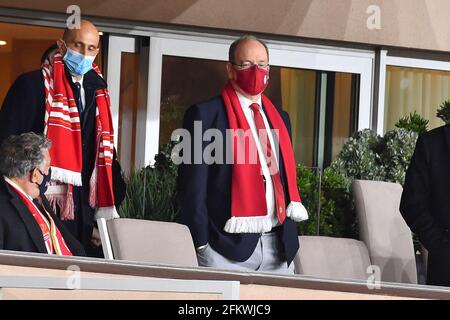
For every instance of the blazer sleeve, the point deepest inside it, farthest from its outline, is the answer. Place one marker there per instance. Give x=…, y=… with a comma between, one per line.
x=192, y=181
x=2, y=235
x=119, y=184
x=23, y=108
x=414, y=205
x=287, y=122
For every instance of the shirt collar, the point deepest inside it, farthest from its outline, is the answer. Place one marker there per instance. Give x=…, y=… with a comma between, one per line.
x=93, y=80
x=17, y=187
x=246, y=102
x=79, y=81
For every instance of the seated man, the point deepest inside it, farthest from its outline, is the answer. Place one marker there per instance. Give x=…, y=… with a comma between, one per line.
x=25, y=223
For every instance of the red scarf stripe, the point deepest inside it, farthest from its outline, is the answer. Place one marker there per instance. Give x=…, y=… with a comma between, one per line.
x=64, y=111
x=68, y=116
x=52, y=236
x=54, y=120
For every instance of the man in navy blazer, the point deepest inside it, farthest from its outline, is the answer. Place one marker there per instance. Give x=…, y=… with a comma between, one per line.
x=206, y=189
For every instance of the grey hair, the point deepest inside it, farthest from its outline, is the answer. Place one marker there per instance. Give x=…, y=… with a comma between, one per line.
x=235, y=44
x=22, y=153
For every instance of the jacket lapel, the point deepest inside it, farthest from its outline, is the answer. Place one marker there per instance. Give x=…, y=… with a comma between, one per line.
x=27, y=218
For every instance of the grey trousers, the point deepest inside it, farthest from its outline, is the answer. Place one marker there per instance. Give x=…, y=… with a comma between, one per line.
x=265, y=258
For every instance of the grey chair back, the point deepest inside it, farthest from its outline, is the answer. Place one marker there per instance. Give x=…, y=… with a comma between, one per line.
x=384, y=231
x=151, y=241
x=332, y=258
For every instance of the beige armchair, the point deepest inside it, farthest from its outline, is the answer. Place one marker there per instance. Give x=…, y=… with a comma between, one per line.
x=148, y=241
x=383, y=230
x=332, y=258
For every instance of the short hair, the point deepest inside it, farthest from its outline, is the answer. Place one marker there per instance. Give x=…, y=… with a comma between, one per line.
x=235, y=44
x=47, y=52
x=22, y=153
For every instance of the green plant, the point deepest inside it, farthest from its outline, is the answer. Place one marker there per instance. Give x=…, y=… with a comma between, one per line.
x=444, y=111
x=151, y=191
x=330, y=191
x=398, y=148
x=365, y=156
x=368, y=156
x=360, y=157
x=413, y=122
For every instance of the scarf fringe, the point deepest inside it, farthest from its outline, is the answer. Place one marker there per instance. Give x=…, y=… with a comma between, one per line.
x=296, y=211
x=93, y=188
x=56, y=202
x=248, y=224
x=62, y=202
x=68, y=212
x=66, y=176
x=108, y=213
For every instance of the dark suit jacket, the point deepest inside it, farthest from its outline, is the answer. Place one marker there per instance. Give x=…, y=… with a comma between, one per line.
x=204, y=193
x=23, y=110
x=18, y=229
x=425, y=203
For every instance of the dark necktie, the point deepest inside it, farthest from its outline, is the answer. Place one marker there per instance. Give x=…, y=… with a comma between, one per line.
x=280, y=205
x=78, y=98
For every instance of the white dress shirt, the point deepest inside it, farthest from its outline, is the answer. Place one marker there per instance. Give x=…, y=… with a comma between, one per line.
x=270, y=197
x=83, y=95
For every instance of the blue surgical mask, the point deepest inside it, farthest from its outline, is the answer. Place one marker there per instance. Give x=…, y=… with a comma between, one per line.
x=78, y=63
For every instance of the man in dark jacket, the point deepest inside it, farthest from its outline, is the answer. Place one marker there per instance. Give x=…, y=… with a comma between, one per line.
x=241, y=214
x=30, y=106
x=425, y=201
x=27, y=224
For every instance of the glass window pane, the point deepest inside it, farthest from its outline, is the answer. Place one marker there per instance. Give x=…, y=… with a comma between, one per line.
x=342, y=113
x=297, y=88
x=186, y=81
x=129, y=79
x=412, y=89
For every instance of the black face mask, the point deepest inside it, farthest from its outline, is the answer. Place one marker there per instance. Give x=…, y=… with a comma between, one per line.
x=46, y=179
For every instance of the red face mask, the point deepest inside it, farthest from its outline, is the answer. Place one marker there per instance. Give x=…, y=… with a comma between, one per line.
x=253, y=80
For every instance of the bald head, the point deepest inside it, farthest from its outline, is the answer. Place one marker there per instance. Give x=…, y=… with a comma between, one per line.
x=84, y=40
x=86, y=27
x=241, y=42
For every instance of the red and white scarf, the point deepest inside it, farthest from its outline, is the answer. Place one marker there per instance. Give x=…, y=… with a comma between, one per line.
x=248, y=201
x=62, y=127
x=53, y=239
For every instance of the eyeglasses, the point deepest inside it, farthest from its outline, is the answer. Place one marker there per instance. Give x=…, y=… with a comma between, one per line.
x=247, y=65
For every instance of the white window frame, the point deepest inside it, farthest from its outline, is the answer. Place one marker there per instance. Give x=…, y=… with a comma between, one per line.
x=116, y=45
x=401, y=62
